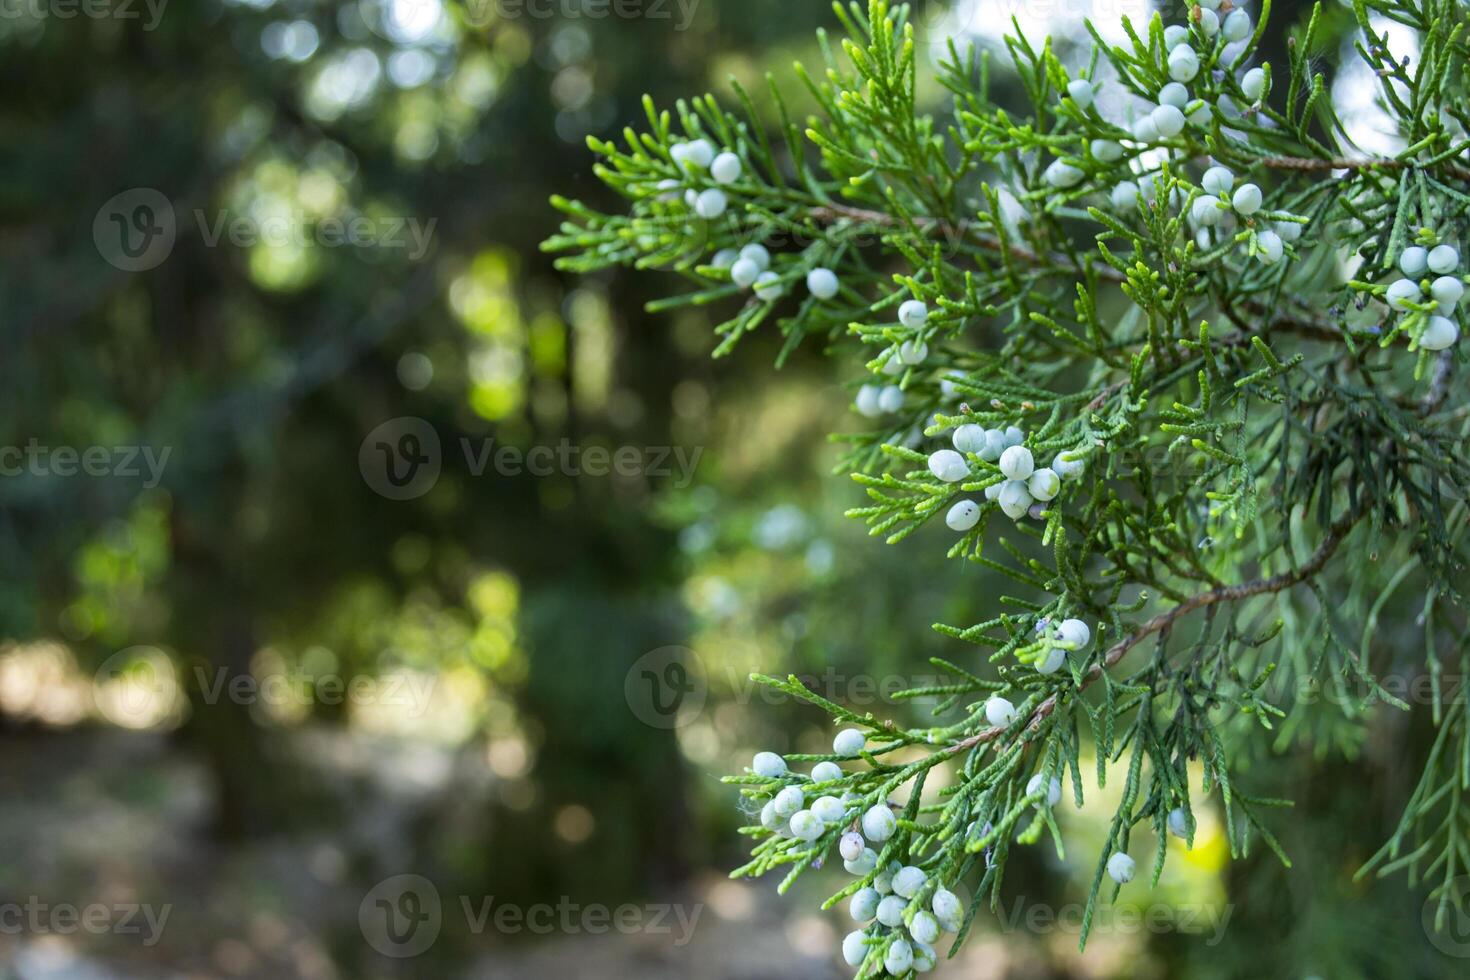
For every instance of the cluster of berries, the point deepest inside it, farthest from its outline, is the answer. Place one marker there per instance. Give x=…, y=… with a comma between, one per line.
x=696, y=157
x=1025, y=483
x=1407, y=295
x=875, y=400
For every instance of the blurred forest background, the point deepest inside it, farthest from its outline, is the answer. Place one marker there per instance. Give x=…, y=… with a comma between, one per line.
x=248, y=678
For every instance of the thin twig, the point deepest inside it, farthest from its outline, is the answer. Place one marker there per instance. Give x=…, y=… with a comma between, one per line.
x=1163, y=621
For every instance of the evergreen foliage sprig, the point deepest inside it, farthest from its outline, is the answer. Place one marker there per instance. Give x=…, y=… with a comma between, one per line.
x=1170, y=272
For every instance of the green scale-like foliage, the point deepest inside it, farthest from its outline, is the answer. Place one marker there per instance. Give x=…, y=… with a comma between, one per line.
x=1265, y=452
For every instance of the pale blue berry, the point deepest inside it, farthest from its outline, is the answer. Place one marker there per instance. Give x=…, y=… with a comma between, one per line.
x=768, y=286
x=1247, y=199
x=806, y=825
x=849, y=742
x=879, y=823
x=822, y=283
x=1125, y=196
x=851, y=846
x=1068, y=468
x=948, y=465
x=829, y=809
x=925, y=959
x=1179, y=823
x=789, y=800
x=1121, y=868
x=890, y=399
x=758, y=254
x=1107, y=151
x=1080, y=90
x=1014, y=499
x=900, y=958
x=913, y=351
x=863, y=864
x=1053, y=789
x=946, y=906
x=1443, y=259
x=924, y=927
x=864, y=904
x=1269, y=248
x=1061, y=174
x=1218, y=180
x=744, y=272
x=908, y=881
x=1253, y=83
x=1439, y=334
x=1017, y=463
x=854, y=948
x=1402, y=292
x=913, y=314
x=826, y=772
x=1174, y=94
x=1183, y=64
x=1237, y=26
x=1075, y=632
x=969, y=438
x=1044, y=484
x=1168, y=120
x=1447, y=291
x=963, y=516
x=769, y=764
x=724, y=258
x=999, y=712
x=725, y=168
x=890, y=910
x=1052, y=662
x=1414, y=261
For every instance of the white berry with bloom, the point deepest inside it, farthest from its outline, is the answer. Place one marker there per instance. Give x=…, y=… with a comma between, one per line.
x=849, y=743
x=1121, y=868
x=711, y=204
x=725, y=168
x=900, y=958
x=1051, y=662
x=1075, y=632
x=1015, y=499
x=948, y=465
x=913, y=352
x=1061, y=174
x=890, y=399
x=1402, y=292
x=744, y=272
x=1053, y=788
x=864, y=905
x=1067, y=467
x=1247, y=199
x=1218, y=180
x=1179, y=822
x=1414, y=261
x=1080, y=91
x=1237, y=26
x=969, y=438
x=879, y=823
x=963, y=516
x=826, y=772
x=1017, y=463
x=908, y=881
x=829, y=809
x=822, y=283
x=768, y=286
x=1439, y=334
x=913, y=314
x=854, y=948
x=768, y=764
x=807, y=826
x=1044, y=484
x=999, y=712
x=1443, y=259
x=788, y=801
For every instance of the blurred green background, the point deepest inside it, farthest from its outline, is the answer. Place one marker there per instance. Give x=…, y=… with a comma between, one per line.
x=266, y=260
